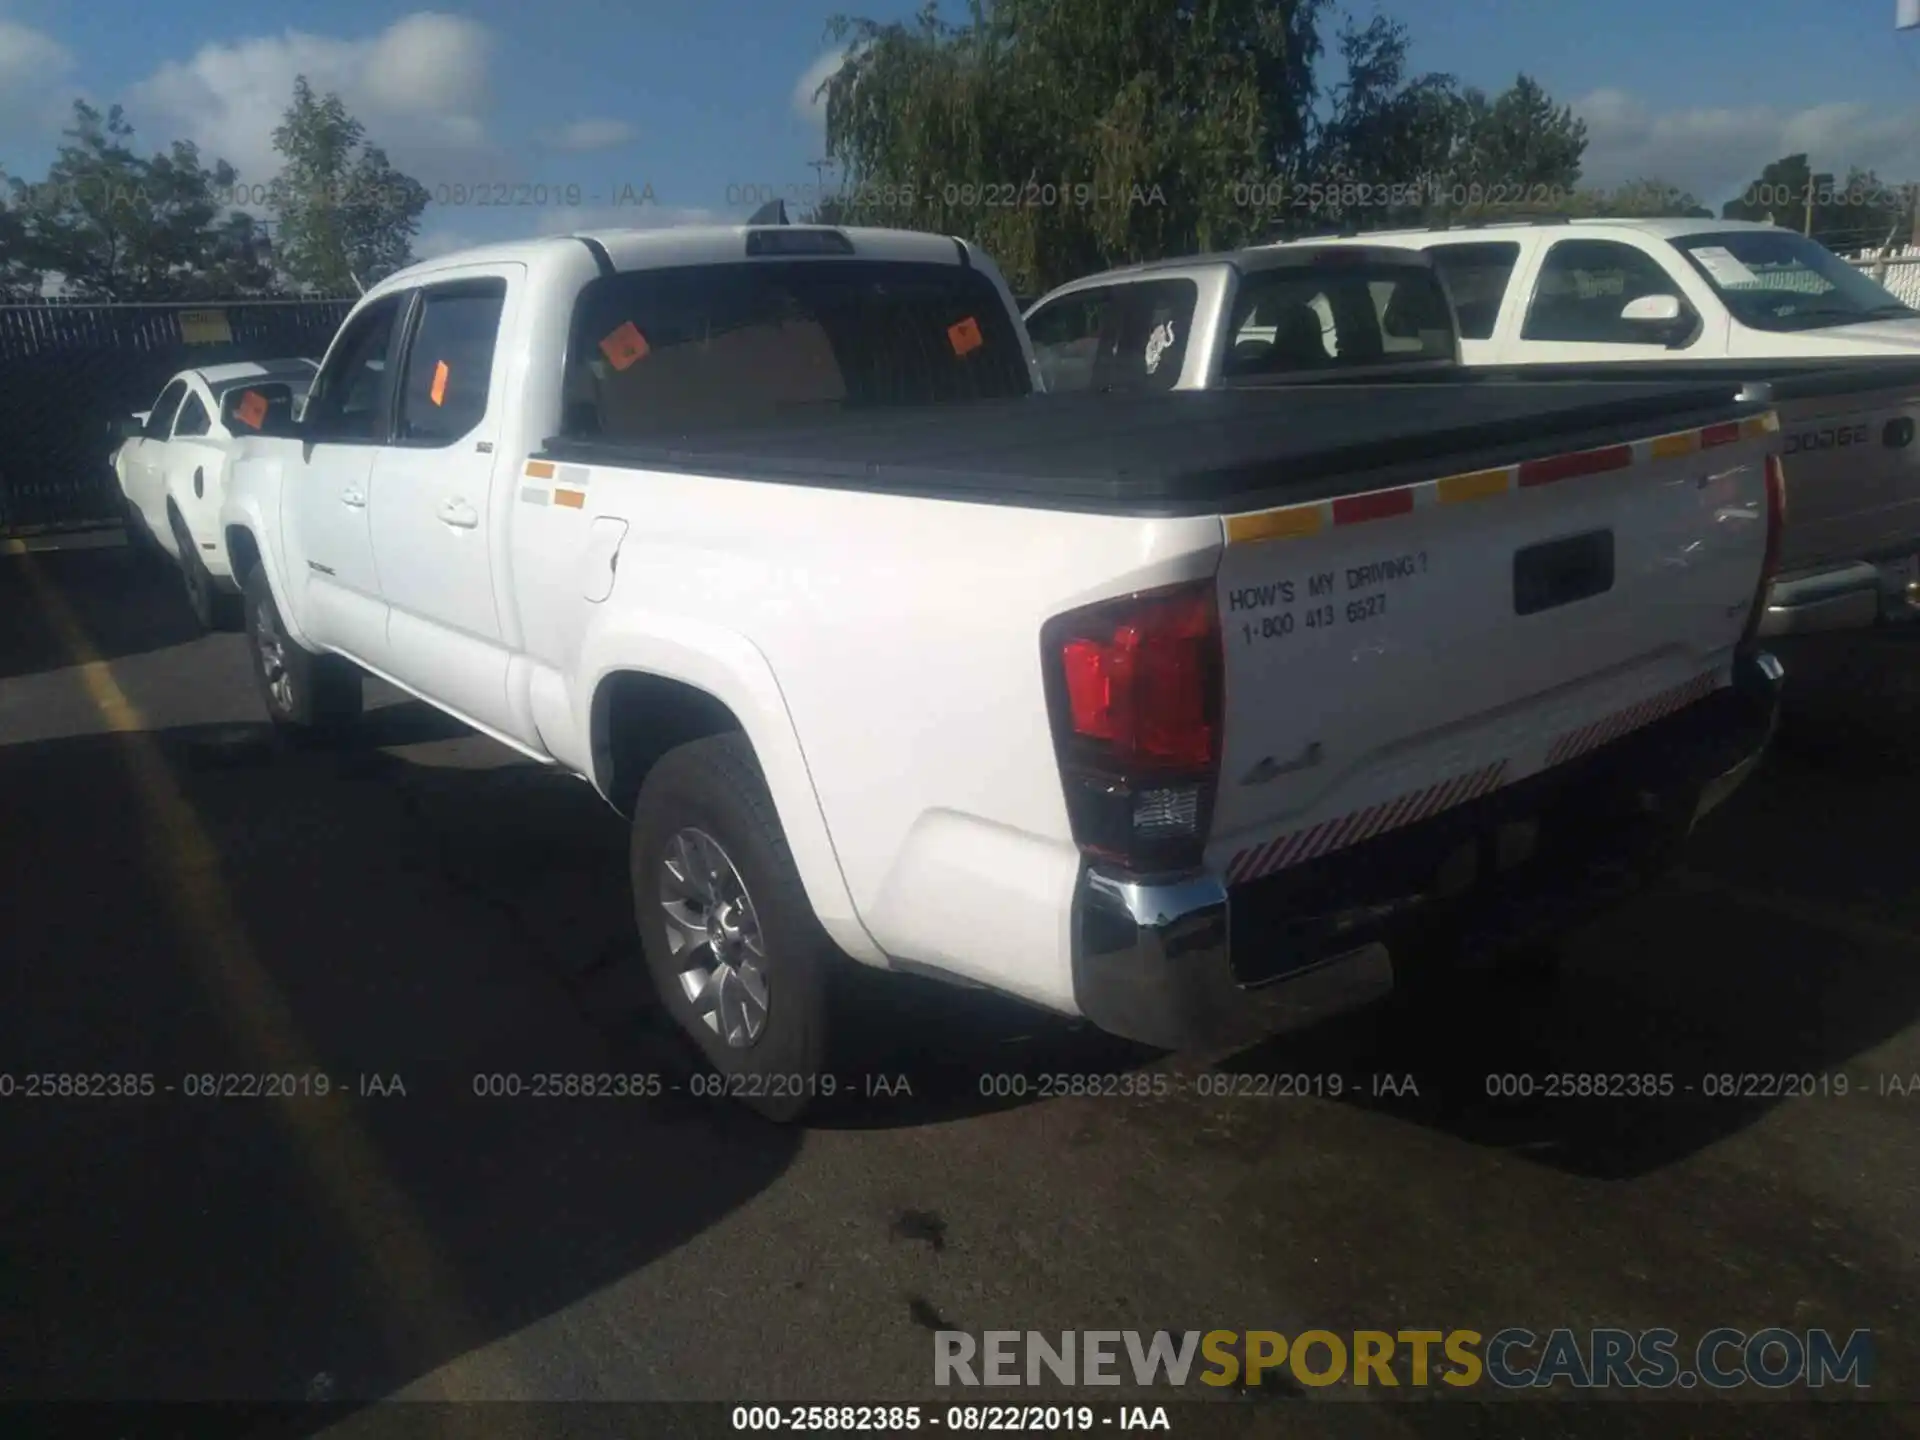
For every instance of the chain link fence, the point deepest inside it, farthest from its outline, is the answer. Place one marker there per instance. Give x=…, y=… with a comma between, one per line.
x=69, y=371
x=1897, y=270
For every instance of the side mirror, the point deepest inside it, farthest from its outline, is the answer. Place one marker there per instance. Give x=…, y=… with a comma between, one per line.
x=129, y=427
x=1653, y=309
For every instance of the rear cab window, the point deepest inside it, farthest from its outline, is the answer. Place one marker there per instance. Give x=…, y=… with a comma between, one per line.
x=1476, y=276
x=1336, y=316
x=257, y=405
x=1148, y=346
x=767, y=341
x=1066, y=336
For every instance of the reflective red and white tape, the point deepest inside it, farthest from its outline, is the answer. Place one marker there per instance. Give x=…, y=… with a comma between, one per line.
x=1299, y=846
x=1591, y=737
x=1296, y=847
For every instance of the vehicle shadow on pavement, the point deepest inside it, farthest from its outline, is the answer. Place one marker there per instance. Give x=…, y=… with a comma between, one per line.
x=185, y=1245
x=126, y=605
x=548, y=859
x=1766, y=971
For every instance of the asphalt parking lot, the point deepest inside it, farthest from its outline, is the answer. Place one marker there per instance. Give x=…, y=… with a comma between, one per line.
x=179, y=897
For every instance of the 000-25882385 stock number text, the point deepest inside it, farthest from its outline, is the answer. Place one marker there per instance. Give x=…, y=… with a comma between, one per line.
x=893, y=1419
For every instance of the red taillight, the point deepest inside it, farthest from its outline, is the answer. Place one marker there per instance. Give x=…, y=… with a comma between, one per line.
x=1135, y=691
x=1140, y=682
x=1770, y=559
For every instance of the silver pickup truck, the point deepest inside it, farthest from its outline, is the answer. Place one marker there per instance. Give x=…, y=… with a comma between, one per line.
x=1346, y=310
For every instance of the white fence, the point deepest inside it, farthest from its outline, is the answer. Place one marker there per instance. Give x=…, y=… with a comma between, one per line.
x=1901, y=271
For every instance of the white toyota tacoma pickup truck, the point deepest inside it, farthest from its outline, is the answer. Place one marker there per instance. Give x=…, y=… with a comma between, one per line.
x=1703, y=298
x=1197, y=715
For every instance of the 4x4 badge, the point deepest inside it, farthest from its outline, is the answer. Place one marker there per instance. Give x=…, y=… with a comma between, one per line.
x=1272, y=769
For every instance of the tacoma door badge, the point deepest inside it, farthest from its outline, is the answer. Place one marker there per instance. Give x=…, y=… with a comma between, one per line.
x=1271, y=769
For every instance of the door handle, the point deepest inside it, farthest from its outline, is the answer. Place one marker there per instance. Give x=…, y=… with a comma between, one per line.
x=459, y=514
x=354, y=498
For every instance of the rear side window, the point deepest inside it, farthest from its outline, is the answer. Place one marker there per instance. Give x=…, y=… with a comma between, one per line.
x=759, y=342
x=1302, y=319
x=193, y=420
x=1476, y=278
x=449, y=366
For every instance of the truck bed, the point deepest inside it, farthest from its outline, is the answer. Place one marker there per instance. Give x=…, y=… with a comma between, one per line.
x=1180, y=453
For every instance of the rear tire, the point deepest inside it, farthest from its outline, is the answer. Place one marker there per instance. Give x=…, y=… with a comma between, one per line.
x=733, y=946
x=212, y=607
x=306, y=695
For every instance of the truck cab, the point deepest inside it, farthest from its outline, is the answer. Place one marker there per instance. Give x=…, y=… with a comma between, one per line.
x=1301, y=314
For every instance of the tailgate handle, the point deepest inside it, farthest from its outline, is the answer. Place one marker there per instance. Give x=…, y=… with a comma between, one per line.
x=1559, y=572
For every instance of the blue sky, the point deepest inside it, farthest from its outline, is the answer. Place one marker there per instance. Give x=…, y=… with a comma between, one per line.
x=699, y=101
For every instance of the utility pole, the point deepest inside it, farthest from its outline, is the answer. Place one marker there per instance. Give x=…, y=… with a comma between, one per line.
x=1807, y=229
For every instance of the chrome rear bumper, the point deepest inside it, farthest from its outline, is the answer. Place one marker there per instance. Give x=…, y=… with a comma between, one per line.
x=1153, y=956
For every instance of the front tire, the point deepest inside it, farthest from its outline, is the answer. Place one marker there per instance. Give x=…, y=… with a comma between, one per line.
x=305, y=694
x=141, y=545
x=731, y=940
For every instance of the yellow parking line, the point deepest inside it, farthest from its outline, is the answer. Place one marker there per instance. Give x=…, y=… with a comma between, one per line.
x=1817, y=917
x=417, y=1296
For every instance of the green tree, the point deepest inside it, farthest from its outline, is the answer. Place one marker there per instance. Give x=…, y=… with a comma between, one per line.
x=1070, y=135
x=1066, y=135
x=19, y=280
x=118, y=225
x=1852, y=214
x=346, y=217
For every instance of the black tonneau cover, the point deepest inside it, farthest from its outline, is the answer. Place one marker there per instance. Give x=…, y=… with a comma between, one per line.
x=1800, y=379
x=1797, y=379
x=1182, y=452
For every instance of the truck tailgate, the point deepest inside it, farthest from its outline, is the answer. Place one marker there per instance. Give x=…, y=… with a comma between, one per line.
x=1852, y=468
x=1394, y=653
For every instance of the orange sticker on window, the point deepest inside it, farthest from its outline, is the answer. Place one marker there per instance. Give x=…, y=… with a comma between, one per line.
x=965, y=337
x=251, y=410
x=439, y=392
x=625, y=346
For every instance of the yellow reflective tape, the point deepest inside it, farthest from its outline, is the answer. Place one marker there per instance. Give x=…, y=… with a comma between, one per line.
x=1294, y=521
x=571, y=499
x=1758, y=425
x=1477, y=486
x=540, y=469
x=1668, y=447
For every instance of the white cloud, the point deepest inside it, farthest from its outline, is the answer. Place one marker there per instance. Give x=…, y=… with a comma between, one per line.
x=1715, y=153
x=623, y=217
x=590, y=135
x=432, y=244
x=437, y=240
x=33, y=96
x=808, y=104
x=420, y=87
